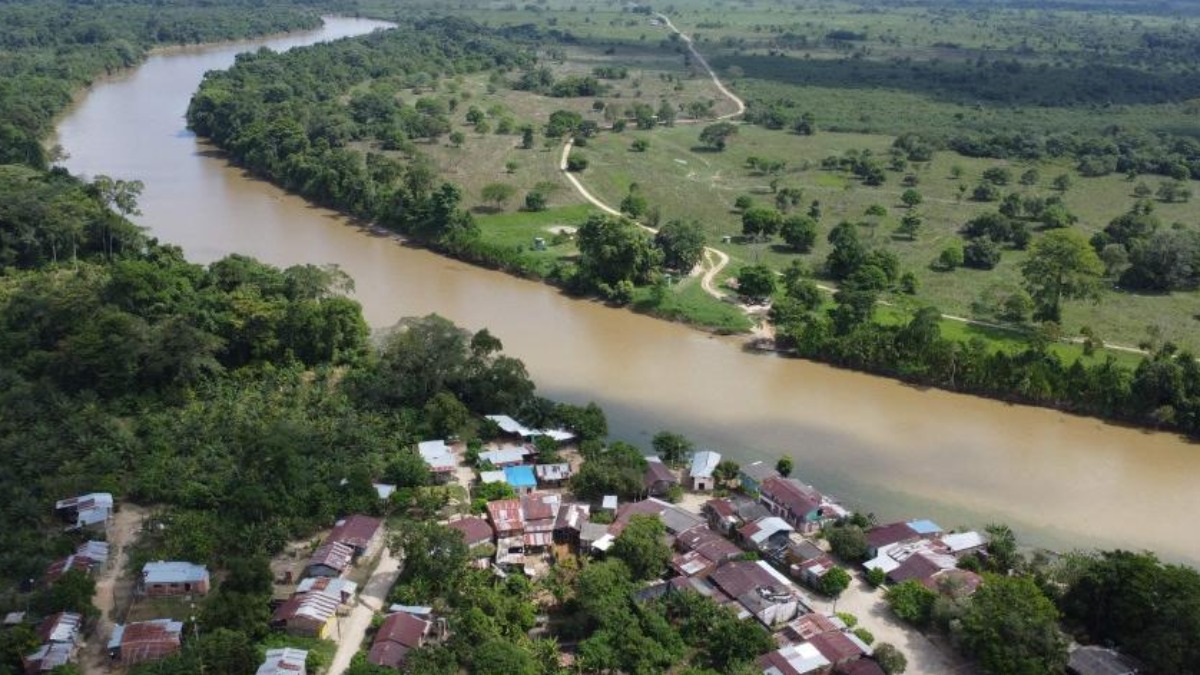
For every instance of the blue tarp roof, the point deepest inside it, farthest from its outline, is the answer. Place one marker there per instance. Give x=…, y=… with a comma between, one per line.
x=520, y=476
x=924, y=526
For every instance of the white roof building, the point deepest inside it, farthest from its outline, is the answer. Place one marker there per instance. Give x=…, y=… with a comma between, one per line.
x=437, y=455
x=492, y=477
x=800, y=658
x=284, y=661
x=704, y=463
x=963, y=541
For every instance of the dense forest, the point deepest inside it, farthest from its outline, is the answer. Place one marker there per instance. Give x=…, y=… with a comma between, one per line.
x=50, y=49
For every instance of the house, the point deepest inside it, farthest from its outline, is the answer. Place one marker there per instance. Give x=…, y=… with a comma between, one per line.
x=284, y=661
x=700, y=471
x=802, y=551
x=540, y=513
x=553, y=475
x=89, y=557
x=439, y=457
x=888, y=535
x=799, y=659
x=595, y=536
x=90, y=510
x=1100, y=661
x=805, y=628
x=513, y=428
x=609, y=503
x=520, y=479
x=798, y=504
x=144, y=641
x=752, y=475
x=763, y=592
x=341, y=589
x=59, y=635
x=506, y=517
x=960, y=544
x=707, y=543
x=922, y=565
x=926, y=529
x=504, y=457
x=860, y=667
x=569, y=524
x=312, y=614
x=331, y=559
x=487, y=477
x=400, y=633
x=767, y=535
x=954, y=583
x=475, y=531
x=160, y=579
x=658, y=478
x=722, y=515
x=811, y=571
x=839, y=647
x=363, y=534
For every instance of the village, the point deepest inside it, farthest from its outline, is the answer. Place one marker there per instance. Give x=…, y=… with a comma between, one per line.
x=755, y=542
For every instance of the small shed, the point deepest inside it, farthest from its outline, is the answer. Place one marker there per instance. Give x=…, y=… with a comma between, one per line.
x=700, y=472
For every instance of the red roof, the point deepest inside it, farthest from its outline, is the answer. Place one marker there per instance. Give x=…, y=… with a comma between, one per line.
x=539, y=507
x=357, y=531
x=506, y=515
x=794, y=497
x=860, y=667
x=657, y=472
x=148, y=640
x=836, y=646
x=708, y=544
x=742, y=576
x=402, y=628
x=918, y=566
x=626, y=512
x=722, y=507
x=894, y=533
x=474, y=530
x=389, y=654
x=809, y=626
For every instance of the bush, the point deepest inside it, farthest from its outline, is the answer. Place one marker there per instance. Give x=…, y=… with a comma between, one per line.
x=535, y=201
x=576, y=162
x=865, y=635
x=876, y=577
x=890, y=659
x=950, y=258
x=640, y=145
x=981, y=254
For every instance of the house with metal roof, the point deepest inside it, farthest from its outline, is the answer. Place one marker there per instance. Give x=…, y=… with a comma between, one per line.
x=762, y=592
x=88, y=557
x=160, y=579
x=487, y=477
x=400, y=633
x=144, y=641
x=59, y=635
x=439, y=457
x=800, y=659
x=964, y=543
x=512, y=427
x=752, y=475
x=659, y=478
x=90, y=510
x=337, y=587
x=552, y=475
x=331, y=559
x=700, y=470
x=798, y=504
x=504, y=457
x=475, y=531
x=506, y=517
x=284, y=661
x=840, y=647
x=767, y=535
x=362, y=533
x=520, y=478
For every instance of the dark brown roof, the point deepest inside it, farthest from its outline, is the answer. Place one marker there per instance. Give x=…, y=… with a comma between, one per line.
x=334, y=555
x=657, y=472
x=356, y=531
x=809, y=626
x=836, y=646
x=917, y=567
x=474, y=530
x=626, y=512
x=722, y=507
x=742, y=576
x=957, y=583
x=893, y=533
x=402, y=628
x=796, y=498
x=537, y=507
x=388, y=654
x=708, y=544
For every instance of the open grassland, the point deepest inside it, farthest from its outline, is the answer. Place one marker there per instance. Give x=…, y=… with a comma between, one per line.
x=687, y=181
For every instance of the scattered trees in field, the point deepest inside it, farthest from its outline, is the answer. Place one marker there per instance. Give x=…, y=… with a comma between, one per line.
x=716, y=136
x=1061, y=266
x=498, y=193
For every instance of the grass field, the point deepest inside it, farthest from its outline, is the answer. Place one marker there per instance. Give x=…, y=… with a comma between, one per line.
x=686, y=181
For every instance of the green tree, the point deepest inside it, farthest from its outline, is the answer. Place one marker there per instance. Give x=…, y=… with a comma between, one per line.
x=743, y=202
x=501, y=657
x=433, y=554
x=833, y=582
x=911, y=602
x=535, y=200
x=614, y=250
x=784, y=466
x=800, y=232
x=1011, y=628
x=672, y=448
x=761, y=222
x=727, y=470
x=1061, y=182
x=640, y=145
x=911, y=198
x=890, y=659
x=910, y=225
x=848, y=542
x=642, y=546
x=950, y=258
x=1061, y=265
x=756, y=282
x=497, y=193
x=682, y=244
x=716, y=136
x=576, y=162
x=527, y=138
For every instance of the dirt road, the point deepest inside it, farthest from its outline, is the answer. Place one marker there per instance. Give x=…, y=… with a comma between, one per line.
x=373, y=598
x=122, y=533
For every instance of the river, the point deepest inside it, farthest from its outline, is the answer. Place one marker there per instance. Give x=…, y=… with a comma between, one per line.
x=1059, y=480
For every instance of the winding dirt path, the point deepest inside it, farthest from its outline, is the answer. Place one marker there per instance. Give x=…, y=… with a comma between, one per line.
x=741, y=105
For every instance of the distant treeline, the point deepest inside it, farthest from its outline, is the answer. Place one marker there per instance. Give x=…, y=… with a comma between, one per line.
x=52, y=48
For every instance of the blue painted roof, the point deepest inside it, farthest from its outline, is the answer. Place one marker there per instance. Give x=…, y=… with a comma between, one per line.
x=924, y=526
x=520, y=476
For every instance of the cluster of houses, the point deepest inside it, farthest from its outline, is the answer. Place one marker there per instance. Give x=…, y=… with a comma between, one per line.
x=325, y=593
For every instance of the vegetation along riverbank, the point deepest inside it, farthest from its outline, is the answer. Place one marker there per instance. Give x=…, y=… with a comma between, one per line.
x=385, y=128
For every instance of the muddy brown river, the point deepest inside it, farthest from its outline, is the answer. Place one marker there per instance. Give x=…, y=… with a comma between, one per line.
x=1059, y=480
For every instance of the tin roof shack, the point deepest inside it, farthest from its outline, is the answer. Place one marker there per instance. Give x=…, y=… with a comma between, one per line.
x=400, y=633
x=961, y=544
x=331, y=559
x=59, y=635
x=540, y=512
x=504, y=457
x=722, y=515
x=440, y=459
x=506, y=517
x=752, y=476
x=800, y=659
x=553, y=475
x=569, y=523
x=707, y=543
x=144, y=641
x=284, y=661
x=91, y=510
x=658, y=479
x=362, y=533
x=475, y=531
x=767, y=535
x=888, y=535
x=800, y=505
x=764, y=593
x=700, y=471
x=162, y=579
x=840, y=648
x=89, y=557
x=313, y=613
